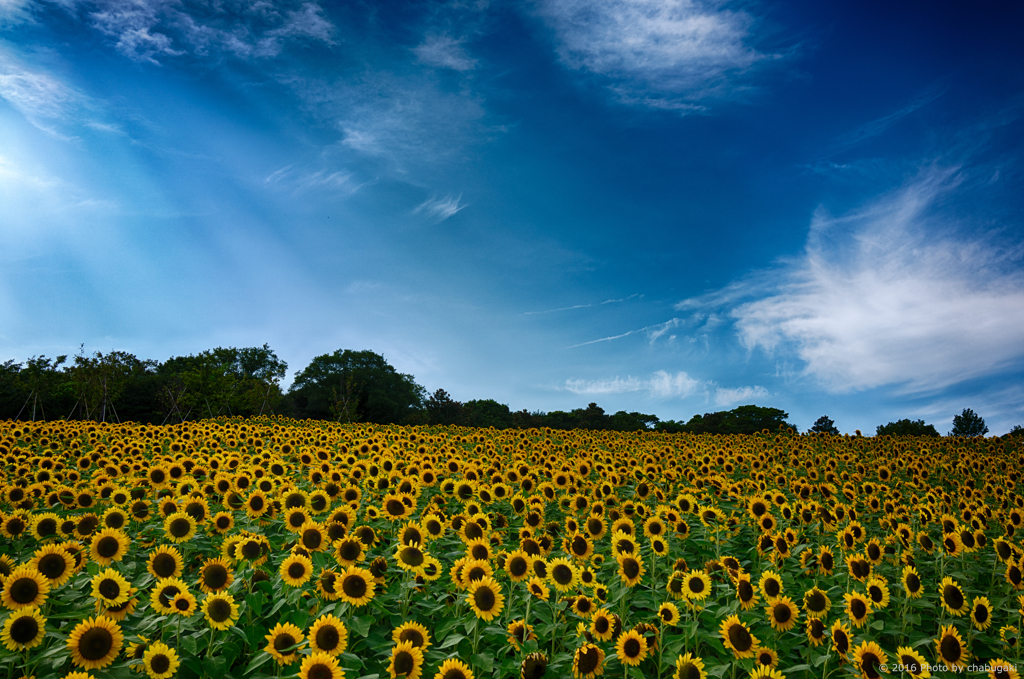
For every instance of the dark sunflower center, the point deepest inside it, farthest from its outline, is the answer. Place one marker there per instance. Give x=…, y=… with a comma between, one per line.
x=351, y=549
x=910, y=663
x=283, y=641
x=454, y=673
x=179, y=528
x=696, y=585
x=518, y=566
x=395, y=508
x=562, y=574
x=411, y=556
x=296, y=519
x=817, y=628
x=826, y=561
x=533, y=667
x=913, y=583
x=164, y=565
x=219, y=610
x=858, y=609
x=782, y=613
x=484, y=598
x=746, y=590
x=168, y=593
x=869, y=663
x=296, y=570
x=412, y=635
x=52, y=566
x=23, y=590
x=631, y=648
x=95, y=643
x=256, y=503
x=159, y=663
x=109, y=588
x=631, y=567
x=354, y=586
x=182, y=604
x=405, y=663
x=24, y=629
x=327, y=638
x=320, y=671
x=215, y=576
x=688, y=671
x=876, y=594
x=981, y=613
x=46, y=527
x=312, y=539
x=587, y=660
x=579, y=545
x=816, y=602
x=772, y=588
x=953, y=597
x=740, y=638
x=107, y=547
x=251, y=549
x=327, y=581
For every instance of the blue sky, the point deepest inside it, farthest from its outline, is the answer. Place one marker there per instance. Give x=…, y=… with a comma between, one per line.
x=668, y=207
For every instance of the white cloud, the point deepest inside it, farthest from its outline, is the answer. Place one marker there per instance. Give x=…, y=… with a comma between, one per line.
x=446, y=52
x=338, y=181
x=728, y=397
x=657, y=53
x=14, y=12
x=661, y=384
x=440, y=209
x=889, y=295
x=151, y=30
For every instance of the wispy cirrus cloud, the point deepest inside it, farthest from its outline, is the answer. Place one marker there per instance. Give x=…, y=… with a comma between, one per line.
x=661, y=384
x=155, y=30
x=728, y=397
x=445, y=52
x=440, y=209
x=41, y=97
x=666, y=55
x=893, y=294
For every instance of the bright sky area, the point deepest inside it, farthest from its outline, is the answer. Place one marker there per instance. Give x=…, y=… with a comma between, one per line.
x=667, y=207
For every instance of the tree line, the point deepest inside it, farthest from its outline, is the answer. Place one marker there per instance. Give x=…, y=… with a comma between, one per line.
x=344, y=386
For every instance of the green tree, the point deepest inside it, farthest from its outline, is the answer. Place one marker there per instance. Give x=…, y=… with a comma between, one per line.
x=487, y=413
x=41, y=379
x=968, y=423
x=748, y=419
x=100, y=381
x=906, y=428
x=443, y=409
x=824, y=424
x=357, y=385
x=623, y=421
x=1016, y=431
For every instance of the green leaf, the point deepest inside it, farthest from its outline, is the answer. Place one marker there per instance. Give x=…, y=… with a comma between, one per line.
x=361, y=625
x=260, y=660
x=189, y=645
x=485, y=661
x=877, y=625
x=797, y=668
x=452, y=640
x=821, y=660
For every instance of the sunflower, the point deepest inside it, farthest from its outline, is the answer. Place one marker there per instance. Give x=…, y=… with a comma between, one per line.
x=349, y=550
x=602, y=625
x=406, y=661
x=183, y=604
x=782, y=613
x=912, y=582
x=414, y=632
x=668, y=613
x=485, y=598
x=519, y=633
x=164, y=592
x=579, y=545
x=826, y=560
x=296, y=570
x=981, y=613
x=534, y=666
x=328, y=635
x=95, y=642
x=454, y=669
x=953, y=599
x=951, y=649
x=816, y=603
x=858, y=608
x=160, y=661
x=215, y=575
x=165, y=562
x=765, y=672
x=745, y=592
x=518, y=565
x=631, y=648
x=587, y=662
x=45, y=526
x=110, y=588
x=54, y=563
x=283, y=642
x=770, y=585
x=696, y=586
x=738, y=638
x=1001, y=669
x=538, y=588
x=912, y=662
x=179, y=527
x=816, y=631
x=220, y=611
x=841, y=639
x=563, y=574
x=766, y=657
x=313, y=536
x=108, y=546
x=410, y=557
x=868, y=657
x=23, y=629
x=25, y=587
x=357, y=585
x=689, y=667
x=878, y=592
x=631, y=569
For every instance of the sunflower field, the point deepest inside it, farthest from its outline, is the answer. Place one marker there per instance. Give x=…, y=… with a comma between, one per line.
x=269, y=547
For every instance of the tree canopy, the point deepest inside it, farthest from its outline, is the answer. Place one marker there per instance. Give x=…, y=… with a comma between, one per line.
x=906, y=428
x=824, y=424
x=968, y=423
x=747, y=419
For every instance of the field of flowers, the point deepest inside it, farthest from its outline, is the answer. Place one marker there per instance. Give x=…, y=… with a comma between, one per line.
x=273, y=547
